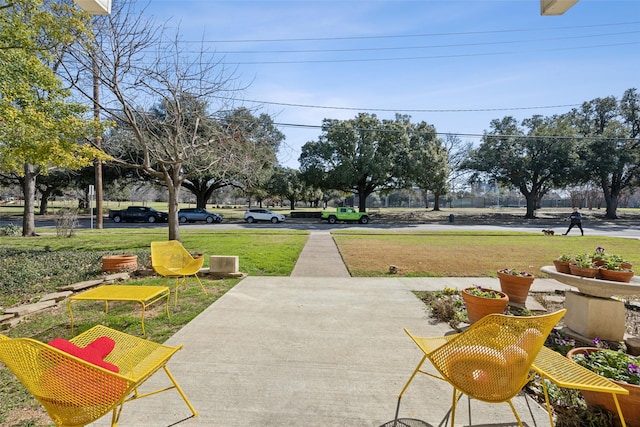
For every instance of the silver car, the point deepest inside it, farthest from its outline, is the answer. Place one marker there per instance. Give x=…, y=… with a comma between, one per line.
x=258, y=214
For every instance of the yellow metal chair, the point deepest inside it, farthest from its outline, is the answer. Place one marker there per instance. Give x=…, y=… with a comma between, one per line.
x=75, y=392
x=171, y=260
x=490, y=361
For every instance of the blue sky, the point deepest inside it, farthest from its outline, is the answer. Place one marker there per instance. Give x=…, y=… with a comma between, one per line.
x=454, y=64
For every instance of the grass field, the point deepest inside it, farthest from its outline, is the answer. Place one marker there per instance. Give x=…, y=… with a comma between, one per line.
x=467, y=254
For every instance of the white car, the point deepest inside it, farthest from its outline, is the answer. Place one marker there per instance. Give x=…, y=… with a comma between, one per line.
x=253, y=215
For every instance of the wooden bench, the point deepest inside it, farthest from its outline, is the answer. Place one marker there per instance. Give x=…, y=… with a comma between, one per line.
x=564, y=373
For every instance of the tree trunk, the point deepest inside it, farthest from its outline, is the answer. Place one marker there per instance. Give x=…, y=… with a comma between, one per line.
x=44, y=201
x=611, y=200
x=531, y=205
x=173, y=187
x=436, y=201
x=362, y=201
x=29, y=192
x=292, y=204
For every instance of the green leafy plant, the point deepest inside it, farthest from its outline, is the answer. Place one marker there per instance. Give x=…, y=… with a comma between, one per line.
x=615, y=365
x=584, y=261
x=566, y=257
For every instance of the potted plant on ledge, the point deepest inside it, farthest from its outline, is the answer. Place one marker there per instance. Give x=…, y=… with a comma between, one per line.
x=516, y=284
x=621, y=368
x=583, y=266
x=562, y=263
x=481, y=301
x=613, y=270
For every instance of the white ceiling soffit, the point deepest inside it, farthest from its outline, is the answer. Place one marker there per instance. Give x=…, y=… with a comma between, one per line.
x=95, y=7
x=555, y=7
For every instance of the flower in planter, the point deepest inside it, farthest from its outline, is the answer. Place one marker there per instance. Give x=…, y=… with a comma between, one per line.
x=483, y=292
x=615, y=365
x=599, y=254
x=514, y=272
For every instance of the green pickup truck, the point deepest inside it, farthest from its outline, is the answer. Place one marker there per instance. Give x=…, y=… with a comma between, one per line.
x=345, y=214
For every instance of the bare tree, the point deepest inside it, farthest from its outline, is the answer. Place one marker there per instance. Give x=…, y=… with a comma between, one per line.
x=159, y=94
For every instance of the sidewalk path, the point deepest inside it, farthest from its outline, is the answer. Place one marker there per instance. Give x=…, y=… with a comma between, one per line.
x=320, y=258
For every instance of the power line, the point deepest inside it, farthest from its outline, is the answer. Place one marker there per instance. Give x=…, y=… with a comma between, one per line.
x=375, y=49
x=304, y=39
x=413, y=58
x=402, y=110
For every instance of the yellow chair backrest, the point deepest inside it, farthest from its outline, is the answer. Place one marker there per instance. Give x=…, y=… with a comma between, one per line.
x=73, y=392
x=491, y=360
x=170, y=254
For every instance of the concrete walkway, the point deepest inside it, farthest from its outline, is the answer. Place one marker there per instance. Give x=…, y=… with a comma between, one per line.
x=313, y=351
x=320, y=258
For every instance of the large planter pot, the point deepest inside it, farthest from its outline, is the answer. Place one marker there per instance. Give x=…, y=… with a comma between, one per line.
x=478, y=307
x=630, y=403
x=562, y=266
x=591, y=273
x=516, y=287
x=616, y=275
x=116, y=263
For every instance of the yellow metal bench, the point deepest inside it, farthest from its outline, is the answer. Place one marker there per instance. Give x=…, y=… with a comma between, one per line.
x=568, y=374
x=75, y=392
x=143, y=295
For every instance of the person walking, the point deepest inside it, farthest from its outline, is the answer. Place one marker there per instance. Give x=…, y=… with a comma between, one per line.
x=576, y=220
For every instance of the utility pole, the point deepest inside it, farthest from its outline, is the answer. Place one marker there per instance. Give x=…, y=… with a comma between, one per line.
x=98, y=143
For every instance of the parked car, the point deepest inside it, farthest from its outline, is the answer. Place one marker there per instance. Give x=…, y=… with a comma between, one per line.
x=198, y=214
x=252, y=215
x=138, y=213
x=345, y=214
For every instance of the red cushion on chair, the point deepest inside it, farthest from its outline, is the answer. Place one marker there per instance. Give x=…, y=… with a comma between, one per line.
x=93, y=353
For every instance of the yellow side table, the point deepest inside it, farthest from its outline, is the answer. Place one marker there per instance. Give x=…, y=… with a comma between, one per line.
x=144, y=295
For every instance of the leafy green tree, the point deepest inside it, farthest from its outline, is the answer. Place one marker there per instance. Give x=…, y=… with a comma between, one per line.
x=533, y=157
x=249, y=161
x=426, y=161
x=610, y=144
x=40, y=128
x=360, y=155
x=286, y=183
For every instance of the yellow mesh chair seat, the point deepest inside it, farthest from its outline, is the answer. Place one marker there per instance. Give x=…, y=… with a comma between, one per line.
x=490, y=361
x=75, y=392
x=171, y=260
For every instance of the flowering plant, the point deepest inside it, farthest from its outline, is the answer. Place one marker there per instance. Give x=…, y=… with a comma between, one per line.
x=484, y=292
x=514, y=272
x=615, y=365
x=599, y=254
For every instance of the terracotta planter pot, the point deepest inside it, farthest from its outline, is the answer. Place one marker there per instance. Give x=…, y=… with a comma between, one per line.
x=615, y=275
x=562, y=266
x=516, y=287
x=630, y=403
x=115, y=263
x=591, y=273
x=478, y=307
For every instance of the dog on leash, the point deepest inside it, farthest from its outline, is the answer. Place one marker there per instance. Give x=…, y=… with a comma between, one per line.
x=548, y=232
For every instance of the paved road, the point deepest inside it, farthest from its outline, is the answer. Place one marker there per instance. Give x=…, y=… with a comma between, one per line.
x=624, y=229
